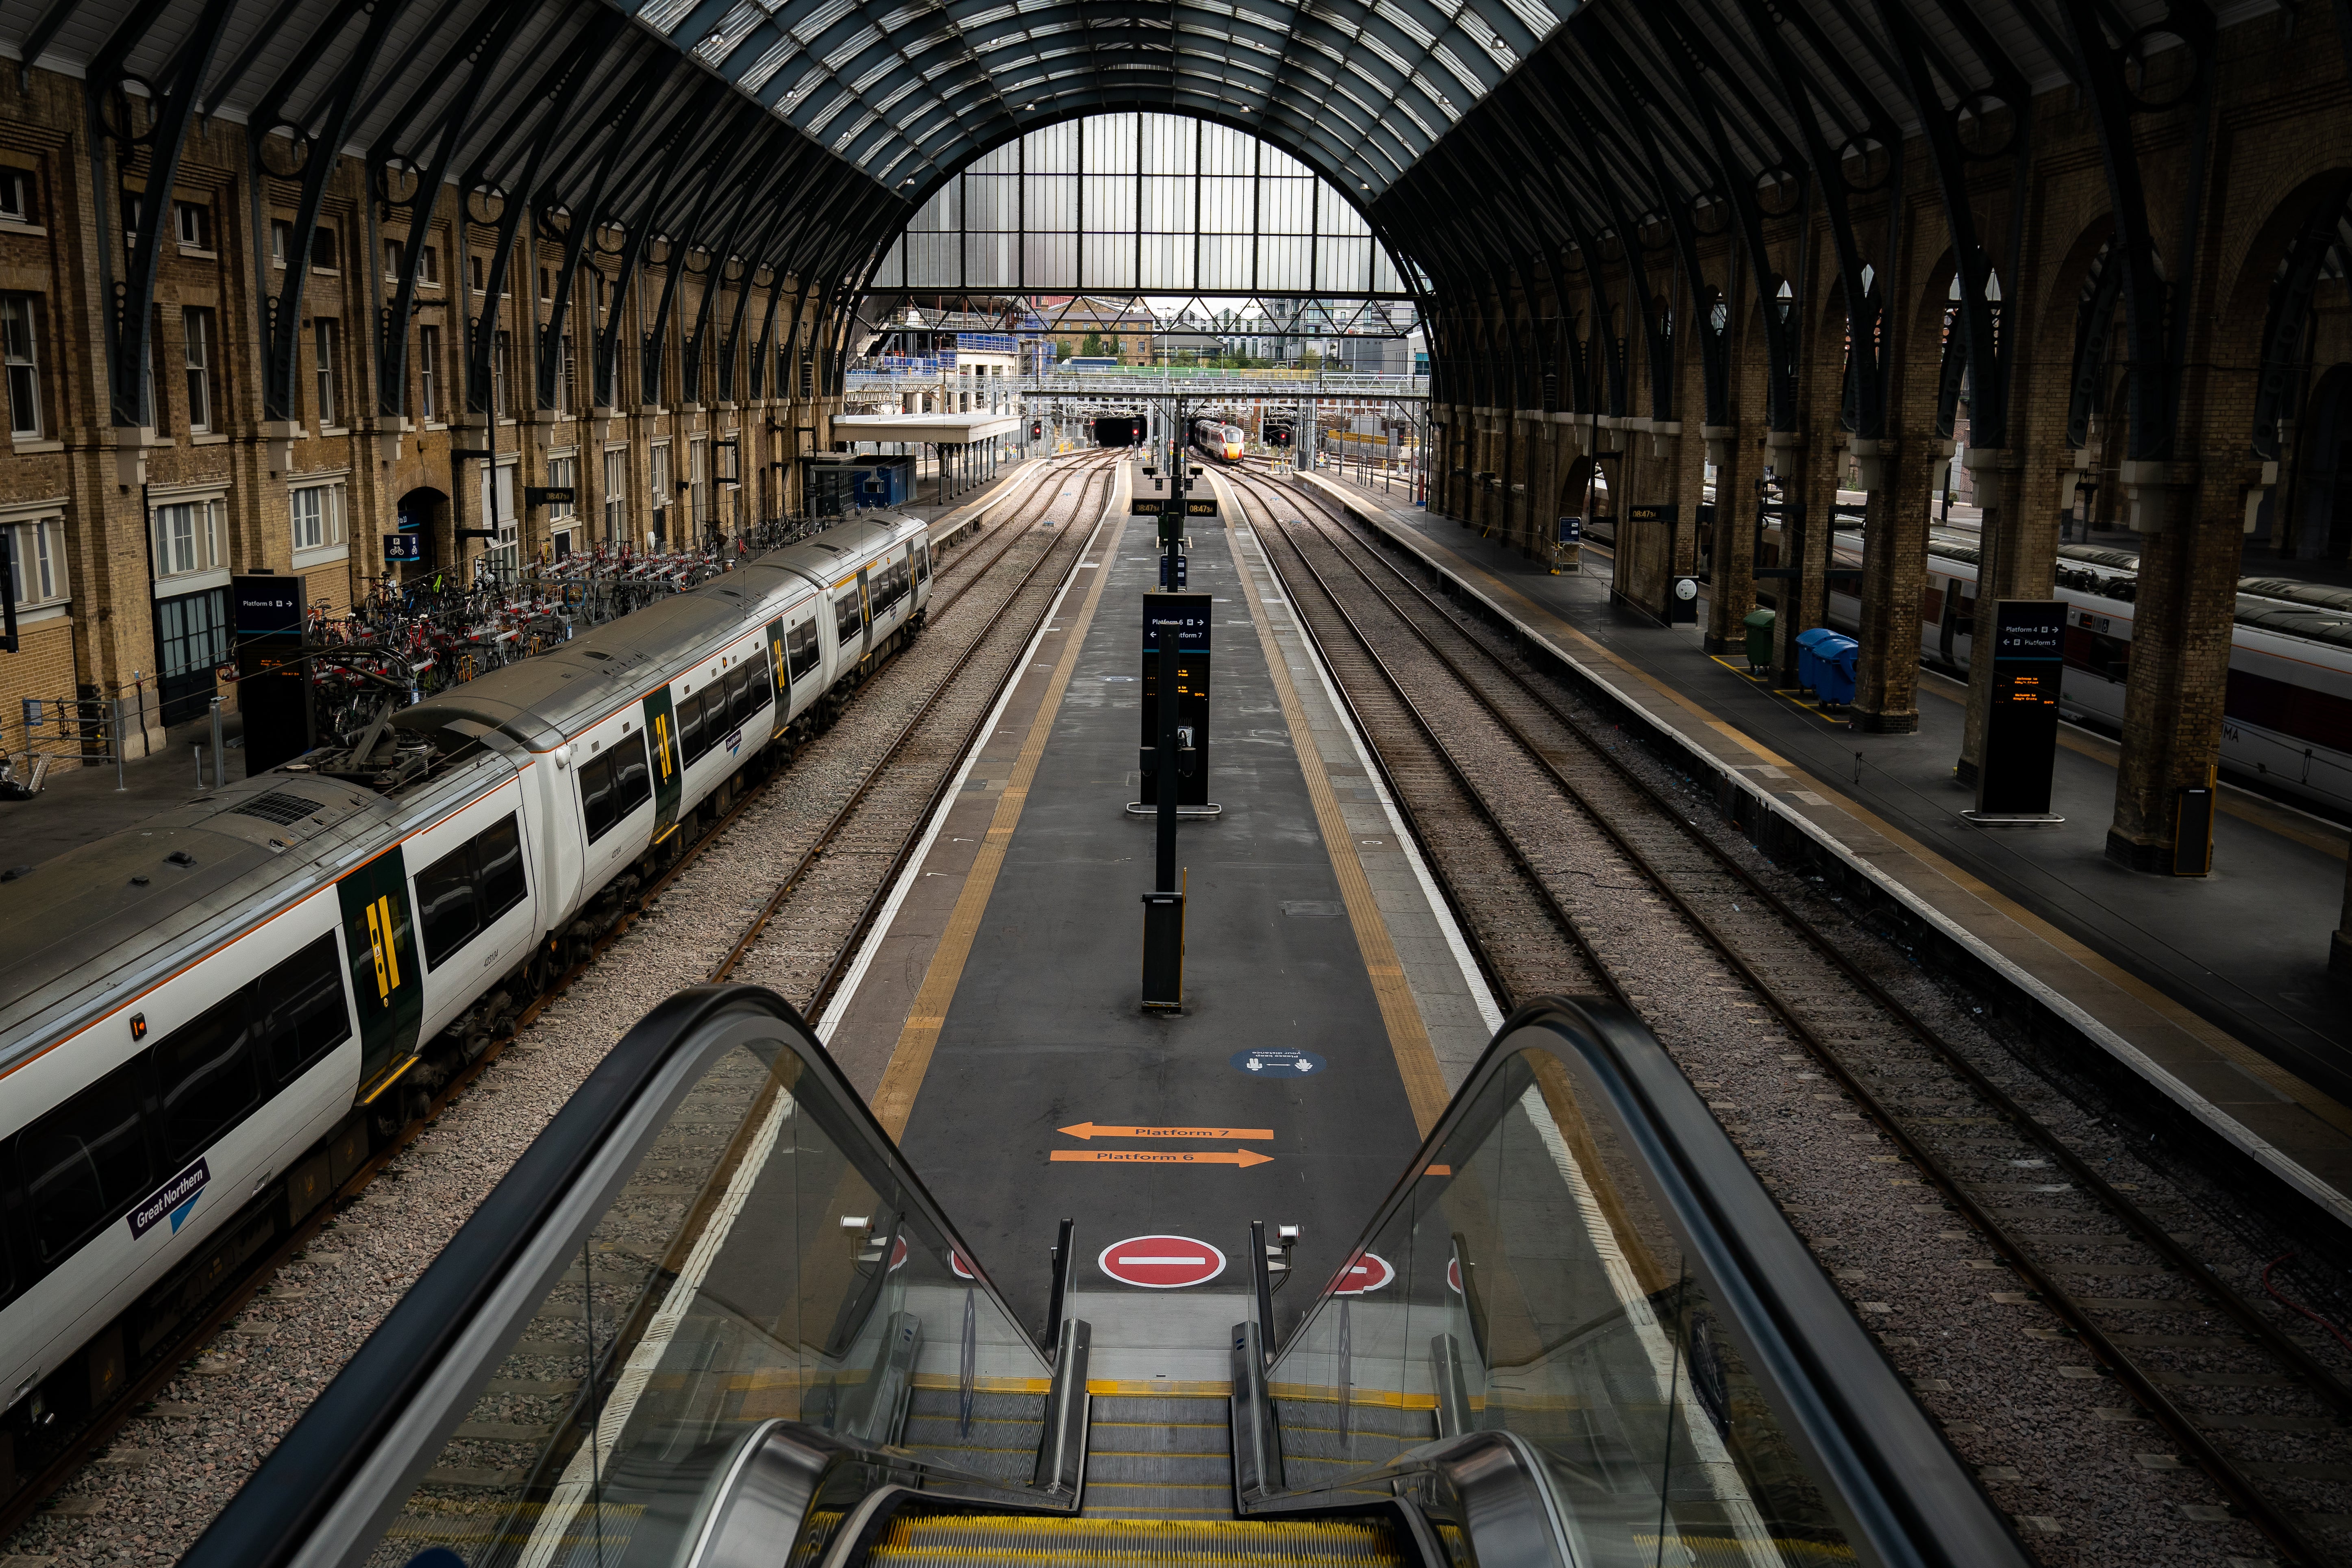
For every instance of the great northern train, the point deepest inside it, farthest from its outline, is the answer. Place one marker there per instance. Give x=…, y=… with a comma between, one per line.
x=1218, y=440
x=2286, y=711
x=207, y=1021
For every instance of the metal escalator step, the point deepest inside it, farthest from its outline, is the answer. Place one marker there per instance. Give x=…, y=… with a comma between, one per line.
x=1016, y=1466
x=976, y=1541
x=985, y=1428
x=993, y=1406
x=1158, y=1437
x=1177, y=1470
x=1192, y=1409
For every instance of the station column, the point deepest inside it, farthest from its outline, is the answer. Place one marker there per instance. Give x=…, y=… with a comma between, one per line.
x=2182, y=619
x=1894, y=576
x=1732, y=593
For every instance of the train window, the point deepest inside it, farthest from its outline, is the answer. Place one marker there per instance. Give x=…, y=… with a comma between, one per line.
x=83, y=1163
x=846, y=625
x=470, y=888
x=613, y=785
x=596, y=796
x=2298, y=712
x=742, y=694
x=204, y=1078
x=693, y=735
x=497, y=865
x=759, y=690
x=633, y=776
x=923, y=561
x=2087, y=650
x=446, y=908
x=800, y=647
x=300, y=1013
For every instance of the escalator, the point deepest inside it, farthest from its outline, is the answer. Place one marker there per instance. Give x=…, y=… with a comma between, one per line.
x=711, y=1320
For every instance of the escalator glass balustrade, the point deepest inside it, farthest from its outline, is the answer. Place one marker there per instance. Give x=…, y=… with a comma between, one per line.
x=1581, y=1285
x=711, y=1320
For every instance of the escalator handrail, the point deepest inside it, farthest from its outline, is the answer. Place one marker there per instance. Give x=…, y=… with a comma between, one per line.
x=1495, y=1480
x=1905, y=1492
x=395, y=1398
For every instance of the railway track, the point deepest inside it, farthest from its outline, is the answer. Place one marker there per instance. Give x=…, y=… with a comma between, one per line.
x=960, y=575
x=1567, y=868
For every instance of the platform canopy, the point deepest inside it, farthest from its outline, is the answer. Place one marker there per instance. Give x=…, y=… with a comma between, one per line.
x=937, y=429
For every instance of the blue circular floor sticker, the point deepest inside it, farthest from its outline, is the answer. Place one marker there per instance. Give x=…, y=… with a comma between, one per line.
x=1278, y=1063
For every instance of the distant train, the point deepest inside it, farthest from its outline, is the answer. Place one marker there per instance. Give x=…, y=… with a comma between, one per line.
x=1223, y=442
x=2286, y=711
x=212, y=1018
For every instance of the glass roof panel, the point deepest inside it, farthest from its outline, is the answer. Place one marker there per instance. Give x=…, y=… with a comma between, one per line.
x=1380, y=81
x=1165, y=203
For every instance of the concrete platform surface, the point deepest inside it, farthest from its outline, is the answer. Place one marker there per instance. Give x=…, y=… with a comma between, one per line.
x=2213, y=989
x=995, y=1019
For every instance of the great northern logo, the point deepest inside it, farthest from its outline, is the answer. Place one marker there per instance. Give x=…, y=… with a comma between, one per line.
x=174, y=1200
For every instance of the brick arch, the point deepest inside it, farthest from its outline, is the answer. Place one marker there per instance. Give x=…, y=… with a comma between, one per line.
x=2245, y=295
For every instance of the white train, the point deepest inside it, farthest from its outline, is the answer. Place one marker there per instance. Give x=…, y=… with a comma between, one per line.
x=1218, y=439
x=206, y=1021
x=2287, y=713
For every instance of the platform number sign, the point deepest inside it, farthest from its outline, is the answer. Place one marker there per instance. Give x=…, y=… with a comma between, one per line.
x=387, y=980
x=2020, y=733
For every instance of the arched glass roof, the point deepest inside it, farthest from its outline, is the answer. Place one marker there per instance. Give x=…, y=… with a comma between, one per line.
x=1159, y=204
x=910, y=90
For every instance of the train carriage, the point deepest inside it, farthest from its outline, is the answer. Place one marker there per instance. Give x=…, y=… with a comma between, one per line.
x=1217, y=439
x=209, y=1019
x=2287, y=707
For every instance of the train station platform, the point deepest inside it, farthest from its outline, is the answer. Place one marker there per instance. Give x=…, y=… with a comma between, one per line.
x=2214, y=991
x=994, y=1018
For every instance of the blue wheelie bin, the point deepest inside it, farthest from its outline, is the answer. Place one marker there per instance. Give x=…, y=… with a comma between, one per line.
x=1833, y=663
x=1809, y=662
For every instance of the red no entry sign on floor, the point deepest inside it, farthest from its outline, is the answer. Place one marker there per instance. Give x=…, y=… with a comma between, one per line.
x=1454, y=1275
x=956, y=1262
x=1162, y=1262
x=1368, y=1272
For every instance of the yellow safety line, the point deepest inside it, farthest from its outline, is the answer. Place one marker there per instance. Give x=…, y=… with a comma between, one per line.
x=1165, y=1388
x=894, y=1099
x=1416, y=1059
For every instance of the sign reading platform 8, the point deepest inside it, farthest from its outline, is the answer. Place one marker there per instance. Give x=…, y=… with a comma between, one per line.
x=1188, y=615
x=2020, y=734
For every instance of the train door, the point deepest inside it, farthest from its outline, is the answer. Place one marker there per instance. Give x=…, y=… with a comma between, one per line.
x=387, y=979
x=780, y=674
x=804, y=651
x=661, y=729
x=849, y=623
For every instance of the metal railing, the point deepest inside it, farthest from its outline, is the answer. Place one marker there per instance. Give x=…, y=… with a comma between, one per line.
x=1196, y=381
x=82, y=732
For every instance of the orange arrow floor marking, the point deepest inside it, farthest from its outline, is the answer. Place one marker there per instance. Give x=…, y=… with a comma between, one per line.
x=1089, y=1130
x=1156, y=1157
